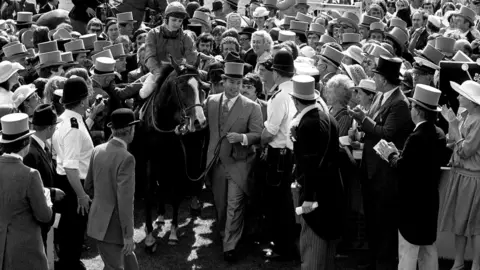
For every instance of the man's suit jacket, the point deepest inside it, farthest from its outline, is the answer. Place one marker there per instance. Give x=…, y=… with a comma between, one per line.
x=111, y=181
x=79, y=10
x=263, y=107
x=38, y=159
x=45, y=8
x=392, y=123
x=419, y=166
x=245, y=117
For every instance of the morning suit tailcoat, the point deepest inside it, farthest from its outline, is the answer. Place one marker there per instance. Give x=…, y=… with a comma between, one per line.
x=111, y=181
x=419, y=165
x=320, y=184
x=22, y=208
x=244, y=117
x=39, y=160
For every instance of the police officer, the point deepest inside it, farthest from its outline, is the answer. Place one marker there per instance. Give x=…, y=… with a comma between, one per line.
x=278, y=196
x=73, y=144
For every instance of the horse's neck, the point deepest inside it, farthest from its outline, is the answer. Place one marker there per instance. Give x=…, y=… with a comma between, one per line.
x=165, y=109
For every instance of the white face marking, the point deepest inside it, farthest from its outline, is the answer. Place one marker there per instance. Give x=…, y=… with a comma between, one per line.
x=198, y=110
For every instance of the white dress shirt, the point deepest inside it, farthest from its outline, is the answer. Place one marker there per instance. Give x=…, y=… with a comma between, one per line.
x=280, y=112
x=73, y=146
x=418, y=124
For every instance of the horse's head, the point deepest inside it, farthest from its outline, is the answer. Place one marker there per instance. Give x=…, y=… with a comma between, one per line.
x=187, y=92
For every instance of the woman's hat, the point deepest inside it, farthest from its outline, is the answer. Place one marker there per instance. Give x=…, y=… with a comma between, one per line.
x=389, y=67
x=467, y=13
x=122, y=118
x=50, y=59
x=260, y=12
x=298, y=27
x=7, y=69
x=103, y=66
x=461, y=57
x=445, y=45
x=304, y=88
x=304, y=18
x=106, y=53
x=367, y=85
x=201, y=17
x=89, y=40
x=117, y=50
x=301, y=2
x=125, y=17
x=355, y=53
x=24, y=18
x=22, y=93
x=14, y=128
x=75, y=47
x=355, y=72
x=233, y=70
x=350, y=18
x=469, y=89
x=44, y=115
x=426, y=97
x=332, y=56
x=285, y=35
x=283, y=61
x=317, y=29
x=74, y=90
x=368, y=20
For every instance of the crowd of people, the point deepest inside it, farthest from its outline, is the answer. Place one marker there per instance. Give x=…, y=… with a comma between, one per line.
x=319, y=116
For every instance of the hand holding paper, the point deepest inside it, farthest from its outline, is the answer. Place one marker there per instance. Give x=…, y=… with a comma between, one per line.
x=384, y=149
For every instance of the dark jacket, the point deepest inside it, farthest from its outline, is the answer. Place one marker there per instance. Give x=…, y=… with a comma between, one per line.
x=79, y=10
x=319, y=183
x=419, y=165
x=45, y=8
x=250, y=57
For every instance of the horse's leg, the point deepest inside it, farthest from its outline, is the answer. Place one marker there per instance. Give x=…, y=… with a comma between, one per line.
x=150, y=241
x=177, y=199
x=160, y=208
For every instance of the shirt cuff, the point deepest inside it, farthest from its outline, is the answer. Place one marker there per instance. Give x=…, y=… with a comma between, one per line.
x=245, y=140
x=71, y=164
x=272, y=129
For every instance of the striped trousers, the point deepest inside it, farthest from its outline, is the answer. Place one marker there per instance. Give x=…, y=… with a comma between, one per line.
x=316, y=253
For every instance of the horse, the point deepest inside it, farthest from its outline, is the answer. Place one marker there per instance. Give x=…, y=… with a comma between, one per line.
x=168, y=145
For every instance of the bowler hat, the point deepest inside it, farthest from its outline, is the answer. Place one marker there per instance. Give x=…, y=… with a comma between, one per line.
x=283, y=62
x=14, y=128
x=304, y=88
x=122, y=118
x=389, y=67
x=74, y=90
x=44, y=115
x=426, y=97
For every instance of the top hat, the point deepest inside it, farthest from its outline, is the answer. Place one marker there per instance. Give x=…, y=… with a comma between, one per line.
x=27, y=39
x=24, y=18
x=467, y=13
x=351, y=38
x=89, y=40
x=326, y=39
x=287, y=19
x=74, y=90
x=298, y=27
x=283, y=61
x=14, y=127
x=122, y=118
x=270, y=4
x=350, y=18
x=104, y=53
x=304, y=18
x=397, y=22
x=49, y=59
x=44, y=115
x=469, y=89
x=426, y=97
x=377, y=51
x=332, y=56
x=445, y=44
x=217, y=5
x=304, y=88
x=398, y=36
x=233, y=70
x=7, y=69
x=461, y=57
x=367, y=85
x=22, y=93
x=317, y=29
x=232, y=2
x=389, y=67
x=195, y=28
x=368, y=20
x=117, y=50
x=125, y=17
x=67, y=57
x=103, y=66
x=260, y=12
x=99, y=45
x=10, y=44
x=301, y=2
x=377, y=27
x=75, y=46
x=429, y=57
x=285, y=35
x=49, y=46
x=15, y=51
x=200, y=17
x=355, y=53
x=247, y=31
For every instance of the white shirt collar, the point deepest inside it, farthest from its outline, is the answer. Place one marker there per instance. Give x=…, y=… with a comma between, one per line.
x=39, y=141
x=232, y=100
x=121, y=141
x=14, y=155
x=418, y=124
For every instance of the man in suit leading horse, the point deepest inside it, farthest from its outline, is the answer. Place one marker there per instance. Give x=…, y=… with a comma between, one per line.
x=235, y=124
x=111, y=183
x=389, y=119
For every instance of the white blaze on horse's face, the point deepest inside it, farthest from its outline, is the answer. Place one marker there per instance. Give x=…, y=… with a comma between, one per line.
x=199, y=116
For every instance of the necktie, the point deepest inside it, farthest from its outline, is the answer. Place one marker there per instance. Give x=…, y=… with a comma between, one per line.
x=225, y=110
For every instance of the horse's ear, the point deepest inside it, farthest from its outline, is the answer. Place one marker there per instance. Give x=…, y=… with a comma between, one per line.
x=174, y=64
x=197, y=63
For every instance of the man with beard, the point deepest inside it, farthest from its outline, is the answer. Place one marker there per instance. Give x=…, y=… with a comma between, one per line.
x=205, y=45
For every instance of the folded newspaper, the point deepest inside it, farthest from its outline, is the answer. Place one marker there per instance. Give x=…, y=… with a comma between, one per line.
x=383, y=149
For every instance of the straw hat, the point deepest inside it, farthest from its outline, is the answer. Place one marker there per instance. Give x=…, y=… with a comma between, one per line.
x=367, y=85
x=426, y=97
x=469, y=89
x=260, y=12
x=7, y=69
x=233, y=70
x=125, y=17
x=14, y=128
x=103, y=66
x=304, y=87
x=22, y=93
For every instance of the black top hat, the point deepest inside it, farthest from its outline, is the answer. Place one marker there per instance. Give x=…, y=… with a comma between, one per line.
x=217, y=5
x=74, y=90
x=247, y=31
x=283, y=61
x=389, y=67
x=121, y=118
x=196, y=28
x=44, y=115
